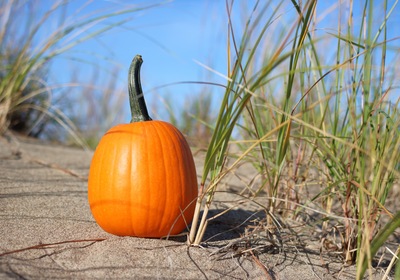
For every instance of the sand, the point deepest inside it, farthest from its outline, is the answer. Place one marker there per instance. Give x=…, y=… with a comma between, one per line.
x=48, y=232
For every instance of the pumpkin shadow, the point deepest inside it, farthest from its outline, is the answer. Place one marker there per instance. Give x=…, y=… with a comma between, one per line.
x=228, y=226
x=231, y=224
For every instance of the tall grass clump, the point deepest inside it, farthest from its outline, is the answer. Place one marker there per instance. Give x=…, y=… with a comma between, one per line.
x=314, y=98
x=30, y=39
x=242, y=84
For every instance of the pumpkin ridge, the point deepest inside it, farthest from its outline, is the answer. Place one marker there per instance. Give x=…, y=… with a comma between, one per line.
x=165, y=216
x=148, y=196
x=113, y=176
x=131, y=192
x=188, y=182
x=172, y=133
x=187, y=155
x=184, y=180
x=179, y=187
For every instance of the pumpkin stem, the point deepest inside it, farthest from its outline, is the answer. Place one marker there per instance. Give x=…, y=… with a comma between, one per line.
x=136, y=97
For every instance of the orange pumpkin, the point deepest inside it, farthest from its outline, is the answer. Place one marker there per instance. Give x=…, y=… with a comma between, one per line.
x=142, y=179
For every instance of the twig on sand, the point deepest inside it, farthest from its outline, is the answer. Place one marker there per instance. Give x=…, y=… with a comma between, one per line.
x=57, y=167
x=42, y=246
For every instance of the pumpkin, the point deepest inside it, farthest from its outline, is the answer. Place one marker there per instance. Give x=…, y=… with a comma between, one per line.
x=142, y=179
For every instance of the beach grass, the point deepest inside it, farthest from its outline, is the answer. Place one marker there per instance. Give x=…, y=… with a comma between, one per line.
x=30, y=40
x=310, y=100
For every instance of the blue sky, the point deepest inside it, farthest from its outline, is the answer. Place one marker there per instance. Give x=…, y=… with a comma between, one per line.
x=170, y=37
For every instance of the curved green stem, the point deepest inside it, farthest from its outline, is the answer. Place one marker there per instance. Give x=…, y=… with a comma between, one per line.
x=136, y=97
